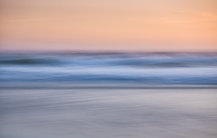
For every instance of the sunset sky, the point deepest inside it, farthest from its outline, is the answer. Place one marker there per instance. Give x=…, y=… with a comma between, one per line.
x=131, y=25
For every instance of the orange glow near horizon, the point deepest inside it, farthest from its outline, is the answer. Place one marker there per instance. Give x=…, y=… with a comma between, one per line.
x=134, y=25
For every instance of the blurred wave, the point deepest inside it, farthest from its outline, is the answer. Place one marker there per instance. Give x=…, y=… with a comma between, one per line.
x=85, y=67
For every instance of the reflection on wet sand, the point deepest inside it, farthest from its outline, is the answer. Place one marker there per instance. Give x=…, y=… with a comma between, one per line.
x=103, y=113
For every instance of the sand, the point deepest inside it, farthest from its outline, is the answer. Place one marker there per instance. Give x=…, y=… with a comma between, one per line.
x=108, y=113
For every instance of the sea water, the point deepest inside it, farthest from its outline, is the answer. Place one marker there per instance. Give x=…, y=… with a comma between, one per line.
x=110, y=68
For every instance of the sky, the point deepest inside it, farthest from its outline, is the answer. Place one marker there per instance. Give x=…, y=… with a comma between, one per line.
x=113, y=25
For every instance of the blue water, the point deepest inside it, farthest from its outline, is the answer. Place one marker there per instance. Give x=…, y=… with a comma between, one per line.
x=117, y=68
x=29, y=110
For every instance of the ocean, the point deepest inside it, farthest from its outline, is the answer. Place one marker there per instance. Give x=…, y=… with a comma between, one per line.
x=108, y=95
x=123, y=69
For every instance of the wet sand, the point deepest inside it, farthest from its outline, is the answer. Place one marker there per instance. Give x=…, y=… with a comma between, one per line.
x=108, y=113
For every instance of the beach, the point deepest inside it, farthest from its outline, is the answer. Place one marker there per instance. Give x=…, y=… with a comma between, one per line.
x=108, y=113
x=108, y=69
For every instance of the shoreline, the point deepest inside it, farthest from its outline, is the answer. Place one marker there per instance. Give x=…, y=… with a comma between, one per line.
x=99, y=86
